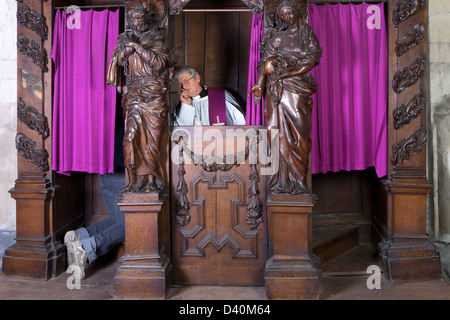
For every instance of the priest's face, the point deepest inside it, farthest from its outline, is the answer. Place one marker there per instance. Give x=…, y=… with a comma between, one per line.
x=190, y=85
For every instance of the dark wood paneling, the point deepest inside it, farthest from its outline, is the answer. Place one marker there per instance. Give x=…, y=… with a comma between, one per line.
x=222, y=50
x=217, y=45
x=194, y=41
x=344, y=192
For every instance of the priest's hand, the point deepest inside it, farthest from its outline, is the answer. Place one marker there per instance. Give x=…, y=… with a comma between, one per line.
x=185, y=98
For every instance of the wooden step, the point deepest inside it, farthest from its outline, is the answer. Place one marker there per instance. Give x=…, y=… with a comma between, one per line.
x=328, y=243
x=353, y=262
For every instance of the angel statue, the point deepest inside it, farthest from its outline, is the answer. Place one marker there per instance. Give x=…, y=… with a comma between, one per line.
x=283, y=76
x=141, y=56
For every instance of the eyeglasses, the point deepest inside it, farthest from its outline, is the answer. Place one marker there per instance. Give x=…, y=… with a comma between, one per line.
x=187, y=81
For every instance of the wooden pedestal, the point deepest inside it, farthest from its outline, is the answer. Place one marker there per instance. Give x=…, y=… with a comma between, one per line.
x=292, y=272
x=144, y=269
x=35, y=255
x=406, y=253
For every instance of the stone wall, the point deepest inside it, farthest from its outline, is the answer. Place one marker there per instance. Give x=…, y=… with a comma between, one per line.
x=439, y=128
x=8, y=111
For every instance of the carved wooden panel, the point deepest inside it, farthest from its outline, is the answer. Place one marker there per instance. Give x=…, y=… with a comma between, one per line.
x=198, y=237
x=224, y=226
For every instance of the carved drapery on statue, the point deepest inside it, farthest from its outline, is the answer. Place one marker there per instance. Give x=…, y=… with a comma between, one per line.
x=141, y=55
x=290, y=51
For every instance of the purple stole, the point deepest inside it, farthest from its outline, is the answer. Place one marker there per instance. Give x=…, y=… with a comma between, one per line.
x=217, y=109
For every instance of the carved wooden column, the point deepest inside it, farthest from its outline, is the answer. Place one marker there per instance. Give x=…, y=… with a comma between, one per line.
x=144, y=269
x=36, y=254
x=405, y=251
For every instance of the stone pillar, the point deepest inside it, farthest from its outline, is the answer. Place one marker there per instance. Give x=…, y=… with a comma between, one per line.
x=439, y=152
x=144, y=269
x=8, y=113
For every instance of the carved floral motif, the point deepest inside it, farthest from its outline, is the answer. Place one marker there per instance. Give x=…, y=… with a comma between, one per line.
x=256, y=6
x=177, y=5
x=404, y=149
x=409, y=75
x=410, y=39
x=31, y=19
x=35, y=52
x=407, y=112
x=33, y=119
x=183, y=214
x=406, y=9
x=254, y=216
x=26, y=148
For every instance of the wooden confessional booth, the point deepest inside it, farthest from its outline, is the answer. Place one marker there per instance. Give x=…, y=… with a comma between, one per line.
x=233, y=232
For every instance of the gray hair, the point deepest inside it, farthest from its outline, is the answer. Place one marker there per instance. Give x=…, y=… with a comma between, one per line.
x=184, y=69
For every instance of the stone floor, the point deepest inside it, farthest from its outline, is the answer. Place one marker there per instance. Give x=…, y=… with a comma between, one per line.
x=344, y=278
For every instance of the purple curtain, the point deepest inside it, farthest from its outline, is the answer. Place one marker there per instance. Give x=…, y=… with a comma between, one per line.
x=349, y=120
x=254, y=113
x=84, y=106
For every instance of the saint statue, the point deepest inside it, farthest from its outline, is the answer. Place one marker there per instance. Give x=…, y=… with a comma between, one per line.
x=141, y=56
x=290, y=52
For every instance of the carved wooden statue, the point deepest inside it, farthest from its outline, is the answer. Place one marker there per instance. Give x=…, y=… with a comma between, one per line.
x=288, y=55
x=144, y=59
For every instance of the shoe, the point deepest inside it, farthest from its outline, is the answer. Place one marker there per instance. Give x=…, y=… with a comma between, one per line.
x=68, y=237
x=71, y=236
x=76, y=257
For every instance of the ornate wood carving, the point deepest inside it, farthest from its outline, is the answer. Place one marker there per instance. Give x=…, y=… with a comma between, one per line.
x=407, y=112
x=183, y=214
x=35, y=52
x=26, y=148
x=33, y=119
x=406, y=9
x=177, y=5
x=409, y=75
x=214, y=163
x=407, y=147
x=254, y=214
x=410, y=39
x=256, y=6
x=32, y=20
